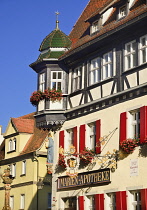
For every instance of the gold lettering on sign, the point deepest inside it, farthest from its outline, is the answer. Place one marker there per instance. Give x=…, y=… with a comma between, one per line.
x=84, y=179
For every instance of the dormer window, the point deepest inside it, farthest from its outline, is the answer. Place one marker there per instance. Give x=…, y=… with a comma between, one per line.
x=95, y=26
x=12, y=145
x=122, y=11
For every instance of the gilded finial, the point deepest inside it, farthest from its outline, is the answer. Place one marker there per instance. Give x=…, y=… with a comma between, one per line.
x=57, y=21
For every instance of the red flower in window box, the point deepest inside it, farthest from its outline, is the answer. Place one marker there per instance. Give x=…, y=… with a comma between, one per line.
x=129, y=145
x=36, y=97
x=53, y=94
x=61, y=161
x=49, y=94
x=86, y=156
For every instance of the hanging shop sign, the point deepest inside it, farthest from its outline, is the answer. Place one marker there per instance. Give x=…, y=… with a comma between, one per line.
x=84, y=179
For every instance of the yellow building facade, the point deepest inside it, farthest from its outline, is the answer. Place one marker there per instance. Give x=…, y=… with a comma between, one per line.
x=25, y=154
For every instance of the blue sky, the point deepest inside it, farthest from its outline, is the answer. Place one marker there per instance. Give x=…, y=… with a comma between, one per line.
x=24, y=24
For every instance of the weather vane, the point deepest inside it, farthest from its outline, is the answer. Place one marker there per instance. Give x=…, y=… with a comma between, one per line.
x=57, y=22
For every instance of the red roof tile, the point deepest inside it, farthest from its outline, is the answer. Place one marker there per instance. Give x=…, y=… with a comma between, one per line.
x=23, y=125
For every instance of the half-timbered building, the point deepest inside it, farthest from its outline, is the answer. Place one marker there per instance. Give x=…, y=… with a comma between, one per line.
x=100, y=123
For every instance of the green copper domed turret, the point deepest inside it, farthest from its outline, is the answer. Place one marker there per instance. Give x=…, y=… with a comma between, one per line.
x=55, y=44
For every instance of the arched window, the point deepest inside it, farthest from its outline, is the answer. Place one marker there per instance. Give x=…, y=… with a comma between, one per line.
x=14, y=144
x=10, y=145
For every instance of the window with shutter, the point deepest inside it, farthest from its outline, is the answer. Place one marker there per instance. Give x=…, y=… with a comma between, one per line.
x=143, y=198
x=71, y=138
x=133, y=124
x=121, y=202
x=82, y=137
x=93, y=141
x=143, y=124
x=61, y=139
x=81, y=202
x=99, y=201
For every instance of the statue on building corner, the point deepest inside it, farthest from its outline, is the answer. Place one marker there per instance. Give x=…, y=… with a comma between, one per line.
x=50, y=153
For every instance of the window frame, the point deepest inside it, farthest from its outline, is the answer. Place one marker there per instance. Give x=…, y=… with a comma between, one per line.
x=91, y=141
x=135, y=202
x=77, y=78
x=95, y=72
x=22, y=201
x=120, y=15
x=12, y=169
x=10, y=145
x=129, y=56
x=95, y=26
x=57, y=80
x=23, y=171
x=112, y=200
x=12, y=202
x=69, y=138
x=133, y=124
x=91, y=202
x=107, y=63
x=42, y=81
x=141, y=48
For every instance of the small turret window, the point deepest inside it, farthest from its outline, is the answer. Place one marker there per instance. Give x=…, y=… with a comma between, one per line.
x=56, y=80
x=42, y=82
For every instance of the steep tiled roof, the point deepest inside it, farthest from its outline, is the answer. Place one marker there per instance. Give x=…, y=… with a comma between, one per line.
x=23, y=125
x=81, y=31
x=81, y=26
x=26, y=124
x=35, y=141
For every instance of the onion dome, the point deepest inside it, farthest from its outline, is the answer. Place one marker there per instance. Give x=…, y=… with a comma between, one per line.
x=55, y=44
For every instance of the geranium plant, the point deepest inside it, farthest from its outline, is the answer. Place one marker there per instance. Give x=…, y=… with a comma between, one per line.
x=49, y=94
x=129, y=145
x=61, y=161
x=36, y=97
x=53, y=94
x=86, y=156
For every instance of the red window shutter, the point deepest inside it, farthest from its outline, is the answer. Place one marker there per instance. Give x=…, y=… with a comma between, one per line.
x=75, y=137
x=82, y=137
x=144, y=199
x=98, y=135
x=61, y=139
x=99, y=201
x=143, y=124
x=81, y=202
x=123, y=126
x=121, y=201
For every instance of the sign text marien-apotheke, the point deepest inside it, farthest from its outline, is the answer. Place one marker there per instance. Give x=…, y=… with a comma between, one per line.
x=87, y=178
